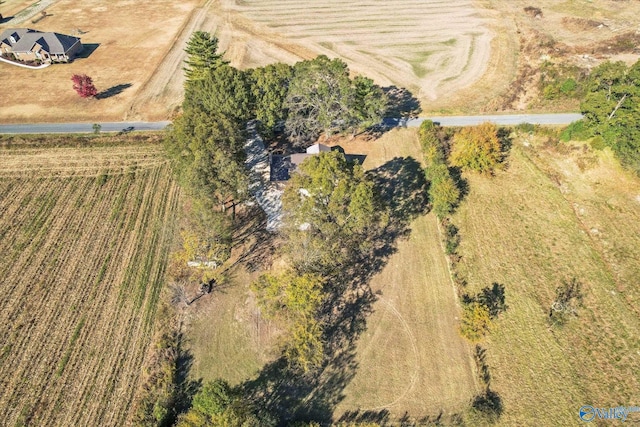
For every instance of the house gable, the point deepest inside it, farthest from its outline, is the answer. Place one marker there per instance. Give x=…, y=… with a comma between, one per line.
x=281, y=167
x=32, y=43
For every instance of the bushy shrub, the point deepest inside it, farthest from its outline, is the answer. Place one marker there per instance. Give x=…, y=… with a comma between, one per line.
x=477, y=148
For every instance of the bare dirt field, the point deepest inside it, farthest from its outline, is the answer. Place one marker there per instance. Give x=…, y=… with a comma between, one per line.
x=125, y=42
x=84, y=246
x=553, y=215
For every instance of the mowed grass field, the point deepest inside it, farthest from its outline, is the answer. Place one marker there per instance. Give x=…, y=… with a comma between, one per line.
x=85, y=239
x=553, y=215
x=125, y=42
x=409, y=359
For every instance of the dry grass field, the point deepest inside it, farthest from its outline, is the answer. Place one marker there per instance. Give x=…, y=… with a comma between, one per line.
x=227, y=336
x=556, y=214
x=433, y=48
x=126, y=41
x=85, y=239
x=9, y=8
x=464, y=56
x=411, y=358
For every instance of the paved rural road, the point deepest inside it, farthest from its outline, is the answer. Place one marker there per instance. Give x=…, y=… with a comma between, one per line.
x=511, y=119
x=82, y=127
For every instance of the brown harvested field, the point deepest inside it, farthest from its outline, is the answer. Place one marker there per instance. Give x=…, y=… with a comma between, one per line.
x=82, y=259
x=125, y=42
x=464, y=56
x=433, y=48
x=542, y=221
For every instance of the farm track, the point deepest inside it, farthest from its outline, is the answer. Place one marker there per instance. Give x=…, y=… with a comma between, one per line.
x=166, y=85
x=82, y=263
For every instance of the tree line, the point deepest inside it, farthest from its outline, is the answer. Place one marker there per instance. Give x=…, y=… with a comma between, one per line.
x=470, y=149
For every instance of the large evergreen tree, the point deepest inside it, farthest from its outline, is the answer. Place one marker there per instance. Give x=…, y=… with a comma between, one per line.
x=322, y=99
x=202, y=49
x=269, y=88
x=224, y=91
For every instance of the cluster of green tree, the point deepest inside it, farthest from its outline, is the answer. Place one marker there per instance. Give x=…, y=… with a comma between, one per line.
x=559, y=81
x=323, y=99
x=206, y=142
x=313, y=97
x=330, y=207
x=444, y=193
x=330, y=203
x=473, y=148
x=206, y=147
x=217, y=404
x=477, y=149
x=611, y=112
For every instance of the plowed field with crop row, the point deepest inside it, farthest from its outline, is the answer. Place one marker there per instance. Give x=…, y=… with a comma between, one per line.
x=84, y=237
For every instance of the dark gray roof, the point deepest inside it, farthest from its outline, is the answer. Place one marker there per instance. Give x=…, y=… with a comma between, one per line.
x=51, y=42
x=280, y=167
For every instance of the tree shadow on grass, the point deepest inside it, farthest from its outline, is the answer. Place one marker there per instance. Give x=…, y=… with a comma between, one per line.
x=292, y=395
x=401, y=183
x=402, y=105
x=461, y=183
x=113, y=91
x=186, y=388
x=257, y=246
x=506, y=141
